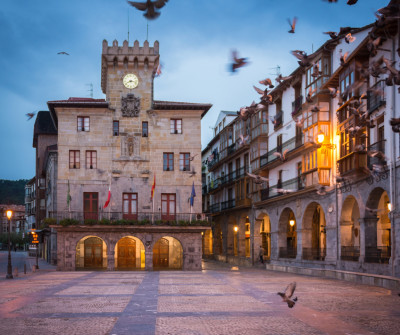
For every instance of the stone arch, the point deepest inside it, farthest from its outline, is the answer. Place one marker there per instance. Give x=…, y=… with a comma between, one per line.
x=218, y=238
x=167, y=253
x=115, y=62
x=377, y=227
x=135, y=63
x=232, y=237
x=314, y=232
x=350, y=230
x=91, y=253
x=262, y=234
x=126, y=63
x=129, y=253
x=146, y=64
x=287, y=234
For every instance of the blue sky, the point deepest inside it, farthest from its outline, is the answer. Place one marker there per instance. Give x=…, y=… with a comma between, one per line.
x=195, y=36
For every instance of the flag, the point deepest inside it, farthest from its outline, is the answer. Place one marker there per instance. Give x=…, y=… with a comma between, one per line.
x=192, y=195
x=108, y=198
x=153, y=187
x=69, y=198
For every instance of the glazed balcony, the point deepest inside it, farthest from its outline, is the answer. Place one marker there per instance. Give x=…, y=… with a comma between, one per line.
x=351, y=163
x=297, y=105
x=374, y=100
x=292, y=144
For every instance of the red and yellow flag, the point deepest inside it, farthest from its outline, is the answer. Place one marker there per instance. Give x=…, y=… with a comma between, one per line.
x=153, y=187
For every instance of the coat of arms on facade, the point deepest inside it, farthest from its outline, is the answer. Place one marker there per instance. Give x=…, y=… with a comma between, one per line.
x=130, y=105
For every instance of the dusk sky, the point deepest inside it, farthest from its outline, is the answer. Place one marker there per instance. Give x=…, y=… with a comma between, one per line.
x=196, y=38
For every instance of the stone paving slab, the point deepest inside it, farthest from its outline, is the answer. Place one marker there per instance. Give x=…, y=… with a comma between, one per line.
x=218, y=300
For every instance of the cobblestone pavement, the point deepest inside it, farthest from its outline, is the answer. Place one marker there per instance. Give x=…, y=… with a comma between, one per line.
x=218, y=300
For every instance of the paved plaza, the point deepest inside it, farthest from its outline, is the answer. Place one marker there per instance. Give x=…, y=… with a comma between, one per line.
x=218, y=300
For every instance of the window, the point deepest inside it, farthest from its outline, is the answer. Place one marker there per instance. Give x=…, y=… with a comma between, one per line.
x=176, y=126
x=74, y=159
x=145, y=129
x=279, y=142
x=129, y=206
x=90, y=205
x=168, y=206
x=91, y=159
x=184, y=161
x=115, y=128
x=168, y=162
x=83, y=123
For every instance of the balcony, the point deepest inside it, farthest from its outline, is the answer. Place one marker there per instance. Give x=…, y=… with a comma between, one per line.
x=214, y=185
x=234, y=175
x=350, y=253
x=314, y=254
x=215, y=208
x=351, y=163
x=258, y=130
x=374, y=101
x=377, y=146
x=297, y=105
x=214, y=161
x=291, y=184
x=291, y=144
x=379, y=254
x=227, y=204
x=287, y=252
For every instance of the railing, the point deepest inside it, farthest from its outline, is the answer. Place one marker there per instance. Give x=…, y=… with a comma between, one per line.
x=287, y=252
x=314, y=254
x=295, y=184
x=380, y=254
x=297, y=105
x=215, y=208
x=376, y=100
x=227, y=204
x=352, y=161
x=291, y=144
x=278, y=120
x=214, y=184
x=214, y=161
x=377, y=146
x=350, y=253
x=234, y=175
x=231, y=149
x=83, y=217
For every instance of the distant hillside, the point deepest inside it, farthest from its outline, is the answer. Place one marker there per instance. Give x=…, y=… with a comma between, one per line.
x=12, y=191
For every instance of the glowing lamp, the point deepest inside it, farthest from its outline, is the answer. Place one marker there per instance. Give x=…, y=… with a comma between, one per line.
x=235, y=228
x=389, y=206
x=320, y=137
x=291, y=222
x=9, y=214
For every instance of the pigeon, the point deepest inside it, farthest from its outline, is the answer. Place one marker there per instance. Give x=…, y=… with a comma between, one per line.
x=321, y=190
x=331, y=34
x=349, y=38
x=351, y=2
x=310, y=94
x=373, y=211
x=267, y=82
x=281, y=79
x=304, y=60
x=282, y=155
x=316, y=72
x=343, y=57
x=63, y=53
x=237, y=62
x=395, y=123
x=378, y=154
x=292, y=25
x=299, y=122
x=30, y=115
x=283, y=191
x=257, y=179
x=192, y=172
x=243, y=139
x=149, y=7
x=333, y=92
x=288, y=294
x=315, y=109
x=243, y=113
x=264, y=94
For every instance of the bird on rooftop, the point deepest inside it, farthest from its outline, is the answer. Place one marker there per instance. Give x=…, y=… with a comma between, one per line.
x=331, y=34
x=349, y=38
x=292, y=25
x=149, y=7
x=63, y=53
x=237, y=62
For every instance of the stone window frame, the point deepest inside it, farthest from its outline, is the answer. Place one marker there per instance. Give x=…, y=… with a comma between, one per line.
x=145, y=129
x=168, y=161
x=184, y=161
x=74, y=159
x=83, y=123
x=91, y=159
x=176, y=126
x=115, y=128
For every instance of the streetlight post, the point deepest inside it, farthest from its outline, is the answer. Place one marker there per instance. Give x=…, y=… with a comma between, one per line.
x=9, y=266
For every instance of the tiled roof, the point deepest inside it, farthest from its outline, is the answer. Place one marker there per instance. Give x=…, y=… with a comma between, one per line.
x=43, y=126
x=157, y=104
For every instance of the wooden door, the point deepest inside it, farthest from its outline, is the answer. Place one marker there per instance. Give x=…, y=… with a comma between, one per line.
x=161, y=253
x=93, y=252
x=90, y=205
x=126, y=253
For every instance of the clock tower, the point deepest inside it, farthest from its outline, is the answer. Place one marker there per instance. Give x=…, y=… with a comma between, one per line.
x=127, y=75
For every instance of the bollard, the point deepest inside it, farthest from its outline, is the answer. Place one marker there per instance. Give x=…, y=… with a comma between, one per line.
x=24, y=268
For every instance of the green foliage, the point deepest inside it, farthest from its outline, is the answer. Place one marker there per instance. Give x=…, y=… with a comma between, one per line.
x=90, y=222
x=69, y=222
x=105, y=222
x=47, y=222
x=144, y=222
x=183, y=223
x=15, y=238
x=12, y=191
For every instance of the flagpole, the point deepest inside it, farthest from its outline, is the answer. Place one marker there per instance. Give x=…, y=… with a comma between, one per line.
x=109, y=208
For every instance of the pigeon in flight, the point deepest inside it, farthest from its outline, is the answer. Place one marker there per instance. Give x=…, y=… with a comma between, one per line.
x=304, y=60
x=331, y=34
x=243, y=139
x=282, y=155
x=351, y=2
x=280, y=78
x=257, y=179
x=149, y=7
x=30, y=115
x=63, y=53
x=237, y=62
x=267, y=82
x=292, y=25
x=288, y=294
x=349, y=38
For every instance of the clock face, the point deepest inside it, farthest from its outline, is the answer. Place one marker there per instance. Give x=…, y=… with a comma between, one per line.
x=130, y=80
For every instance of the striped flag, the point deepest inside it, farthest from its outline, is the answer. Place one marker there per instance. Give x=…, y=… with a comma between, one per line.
x=153, y=187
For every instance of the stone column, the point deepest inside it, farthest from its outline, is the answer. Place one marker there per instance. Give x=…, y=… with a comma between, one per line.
x=111, y=258
x=367, y=235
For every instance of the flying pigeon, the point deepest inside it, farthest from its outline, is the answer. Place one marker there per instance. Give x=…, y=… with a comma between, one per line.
x=288, y=294
x=237, y=62
x=149, y=7
x=30, y=115
x=257, y=179
x=282, y=155
x=63, y=53
x=292, y=25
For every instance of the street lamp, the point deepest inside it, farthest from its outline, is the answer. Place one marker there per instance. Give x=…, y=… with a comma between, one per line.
x=9, y=275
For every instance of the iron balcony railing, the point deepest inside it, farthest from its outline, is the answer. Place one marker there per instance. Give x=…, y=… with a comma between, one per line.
x=234, y=175
x=376, y=96
x=227, y=204
x=214, y=184
x=215, y=208
x=291, y=144
x=294, y=184
x=96, y=217
x=350, y=253
x=297, y=105
x=377, y=146
x=379, y=254
x=287, y=252
x=314, y=254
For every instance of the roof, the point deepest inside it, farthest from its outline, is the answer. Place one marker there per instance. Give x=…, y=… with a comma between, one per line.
x=162, y=105
x=44, y=125
x=75, y=102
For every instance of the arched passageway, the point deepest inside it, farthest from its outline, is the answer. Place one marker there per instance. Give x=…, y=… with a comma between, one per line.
x=167, y=254
x=129, y=254
x=91, y=253
x=287, y=234
x=350, y=230
x=314, y=233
